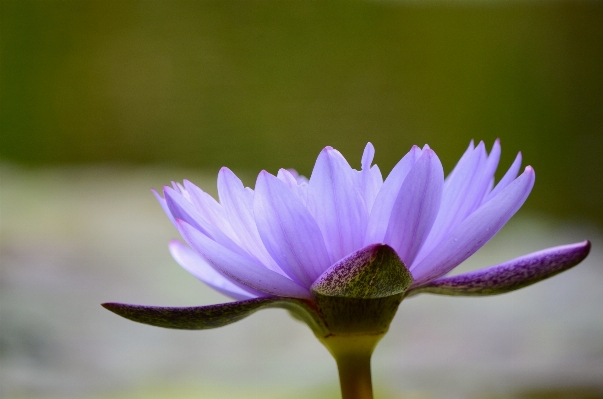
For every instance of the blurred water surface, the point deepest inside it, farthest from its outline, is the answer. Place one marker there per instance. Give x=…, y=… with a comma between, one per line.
x=71, y=238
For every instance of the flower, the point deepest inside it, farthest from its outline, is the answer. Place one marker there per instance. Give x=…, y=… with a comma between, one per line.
x=342, y=249
x=281, y=237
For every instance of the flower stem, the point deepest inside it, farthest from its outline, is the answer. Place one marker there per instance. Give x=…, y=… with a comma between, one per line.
x=353, y=357
x=355, y=377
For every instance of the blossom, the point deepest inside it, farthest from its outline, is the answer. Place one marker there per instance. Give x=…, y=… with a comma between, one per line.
x=344, y=247
x=278, y=239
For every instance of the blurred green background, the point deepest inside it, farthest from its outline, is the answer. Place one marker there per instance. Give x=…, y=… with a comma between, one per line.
x=267, y=84
x=101, y=100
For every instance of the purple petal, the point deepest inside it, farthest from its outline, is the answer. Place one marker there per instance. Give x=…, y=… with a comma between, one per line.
x=295, y=184
x=460, y=196
x=462, y=160
x=384, y=202
x=198, y=267
x=336, y=204
x=209, y=208
x=182, y=209
x=370, y=179
x=488, y=171
x=240, y=269
x=238, y=204
x=164, y=206
x=290, y=234
x=416, y=207
x=367, y=156
x=511, y=275
x=474, y=231
x=507, y=178
x=375, y=271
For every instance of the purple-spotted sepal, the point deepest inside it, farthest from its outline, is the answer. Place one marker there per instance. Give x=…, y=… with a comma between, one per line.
x=214, y=316
x=510, y=275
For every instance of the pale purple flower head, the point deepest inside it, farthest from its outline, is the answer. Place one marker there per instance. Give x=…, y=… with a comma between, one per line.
x=341, y=250
x=279, y=238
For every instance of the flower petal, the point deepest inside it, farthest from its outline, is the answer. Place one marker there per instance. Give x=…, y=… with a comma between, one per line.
x=507, y=178
x=295, y=184
x=511, y=275
x=416, y=207
x=487, y=173
x=214, y=316
x=164, y=206
x=375, y=271
x=384, y=202
x=238, y=204
x=240, y=269
x=475, y=231
x=209, y=208
x=290, y=234
x=337, y=205
x=193, y=263
x=182, y=209
x=459, y=198
x=370, y=177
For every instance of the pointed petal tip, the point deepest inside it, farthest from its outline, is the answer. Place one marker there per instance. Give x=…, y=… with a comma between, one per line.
x=174, y=243
x=156, y=193
x=114, y=307
x=585, y=247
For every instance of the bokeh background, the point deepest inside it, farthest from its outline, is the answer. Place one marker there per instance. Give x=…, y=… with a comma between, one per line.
x=102, y=100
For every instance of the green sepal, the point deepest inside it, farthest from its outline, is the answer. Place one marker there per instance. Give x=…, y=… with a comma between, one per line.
x=375, y=271
x=353, y=316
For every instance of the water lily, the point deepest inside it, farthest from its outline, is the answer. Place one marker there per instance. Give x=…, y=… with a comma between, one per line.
x=342, y=249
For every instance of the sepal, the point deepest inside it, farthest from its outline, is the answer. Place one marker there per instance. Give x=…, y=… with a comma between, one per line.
x=509, y=276
x=214, y=316
x=360, y=294
x=375, y=271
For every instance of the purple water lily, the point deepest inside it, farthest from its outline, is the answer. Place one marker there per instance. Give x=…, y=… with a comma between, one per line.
x=342, y=249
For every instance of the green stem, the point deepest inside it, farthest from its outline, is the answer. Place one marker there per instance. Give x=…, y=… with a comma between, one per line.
x=353, y=357
x=355, y=377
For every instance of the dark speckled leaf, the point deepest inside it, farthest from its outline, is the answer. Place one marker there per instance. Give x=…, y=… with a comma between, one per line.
x=511, y=275
x=375, y=271
x=213, y=316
